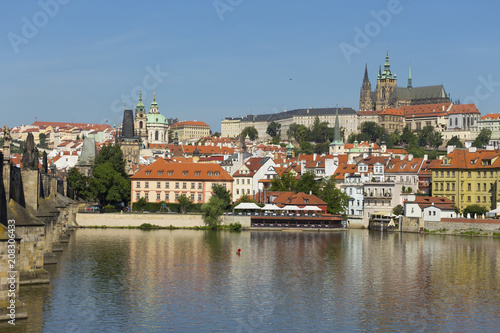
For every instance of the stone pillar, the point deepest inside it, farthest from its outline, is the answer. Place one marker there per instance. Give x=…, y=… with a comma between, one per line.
x=6, y=168
x=31, y=187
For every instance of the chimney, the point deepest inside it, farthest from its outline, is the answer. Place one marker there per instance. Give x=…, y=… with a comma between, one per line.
x=410, y=157
x=449, y=149
x=314, y=156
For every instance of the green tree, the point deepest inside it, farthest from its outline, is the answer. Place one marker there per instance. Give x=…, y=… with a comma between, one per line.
x=374, y=130
x=408, y=138
x=109, y=182
x=398, y=210
x=78, y=183
x=252, y=133
x=43, y=140
x=337, y=200
x=274, y=131
x=429, y=136
x=291, y=133
x=222, y=193
x=287, y=182
x=212, y=210
x=475, y=209
x=455, y=141
x=482, y=139
x=306, y=148
x=393, y=139
x=319, y=131
x=303, y=134
x=307, y=183
x=322, y=148
x=184, y=203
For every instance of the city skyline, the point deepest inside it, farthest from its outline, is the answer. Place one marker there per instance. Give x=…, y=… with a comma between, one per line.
x=79, y=62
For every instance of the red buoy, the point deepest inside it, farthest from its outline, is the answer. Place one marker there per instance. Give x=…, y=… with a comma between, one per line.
x=238, y=252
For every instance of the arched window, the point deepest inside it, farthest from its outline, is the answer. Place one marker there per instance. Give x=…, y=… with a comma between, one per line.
x=156, y=135
x=140, y=124
x=456, y=121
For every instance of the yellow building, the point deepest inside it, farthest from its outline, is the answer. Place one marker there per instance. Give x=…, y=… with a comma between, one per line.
x=190, y=130
x=467, y=177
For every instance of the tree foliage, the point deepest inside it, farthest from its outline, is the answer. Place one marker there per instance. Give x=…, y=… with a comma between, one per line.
x=287, y=182
x=274, y=131
x=398, y=210
x=78, y=183
x=475, y=209
x=109, y=182
x=222, y=193
x=184, y=203
x=408, y=138
x=455, y=141
x=482, y=139
x=429, y=137
x=337, y=200
x=252, y=133
x=372, y=129
x=212, y=210
x=43, y=140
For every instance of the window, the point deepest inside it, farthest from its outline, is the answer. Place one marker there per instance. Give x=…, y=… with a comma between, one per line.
x=469, y=187
x=146, y=184
x=248, y=191
x=434, y=213
x=453, y=173
x=184, y=185
x=158, y=184
x=146, y=196
x=447, y=186
x=237, y=191
x=199, y=197
x=447, y=174
x=217, y=173
x=176, y=185
x=169, y=173
x=148, y=173
x=248, y=181
x=430, y=213
x=478, y=199
x=210, y=173
x=469, y=174
x=468, y=198
x=158, y=196
x=167, y=185
x=484, y=199
x=176, y=196
x=453, y=186
x=484, y=187
x=138, y=184
x=192, y=197
x=166, y=197
x=137, y=196
x=160, y=173
x=237, y=181
x=192, y=186
x=479, y=187
x=200, y=186
x=224, y=184
x=184, y=173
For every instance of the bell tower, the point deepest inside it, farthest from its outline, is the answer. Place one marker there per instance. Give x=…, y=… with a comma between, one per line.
x=386, y=83
x=365, y=98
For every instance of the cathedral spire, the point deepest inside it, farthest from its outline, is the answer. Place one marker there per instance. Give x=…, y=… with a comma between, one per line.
x=386, y=74
x=410, y=84
x=336, y=131
x=366, y=74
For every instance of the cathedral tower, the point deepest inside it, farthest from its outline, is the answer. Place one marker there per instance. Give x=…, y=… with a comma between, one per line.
x=365, y=98
x=386, y=83
x=140, y=121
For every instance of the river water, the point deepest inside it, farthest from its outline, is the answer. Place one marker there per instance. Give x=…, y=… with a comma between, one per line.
x=114, y=280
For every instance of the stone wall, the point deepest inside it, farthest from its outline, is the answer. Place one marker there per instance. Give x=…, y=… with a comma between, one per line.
x=412, y=224
x=486, y=225
x=31, y=188
x=163, y=220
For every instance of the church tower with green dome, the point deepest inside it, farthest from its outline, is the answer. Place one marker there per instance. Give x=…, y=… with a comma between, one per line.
x=156, y=125
x=140, y=121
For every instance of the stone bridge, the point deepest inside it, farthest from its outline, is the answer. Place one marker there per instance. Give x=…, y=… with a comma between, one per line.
x=36, y=216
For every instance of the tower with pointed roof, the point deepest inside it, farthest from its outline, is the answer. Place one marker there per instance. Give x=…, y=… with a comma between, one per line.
x=337, y=146
x=365, y=98
x=386, y=83
x=157, y=126
x=140, y=121
x=410, y=84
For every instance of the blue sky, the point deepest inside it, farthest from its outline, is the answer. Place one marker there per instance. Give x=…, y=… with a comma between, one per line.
x=207, y=60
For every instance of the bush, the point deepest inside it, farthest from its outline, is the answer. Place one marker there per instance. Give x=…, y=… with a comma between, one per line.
x=235, y=226
x=148, y=226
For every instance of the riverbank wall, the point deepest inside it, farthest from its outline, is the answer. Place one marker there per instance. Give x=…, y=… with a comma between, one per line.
x=122, y=220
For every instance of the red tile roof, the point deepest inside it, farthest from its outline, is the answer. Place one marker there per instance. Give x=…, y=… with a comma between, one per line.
x=425, y=110
x=464, y=108
x=162, y=169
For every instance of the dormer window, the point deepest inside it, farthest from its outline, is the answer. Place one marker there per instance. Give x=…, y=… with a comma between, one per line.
x=148, y=173
x=210, y=173
x=160, y=173
x=169, y=173
x=196, y=173
x=184, y=173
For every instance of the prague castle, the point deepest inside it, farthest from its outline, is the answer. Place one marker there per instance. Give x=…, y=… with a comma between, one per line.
x=388, y=95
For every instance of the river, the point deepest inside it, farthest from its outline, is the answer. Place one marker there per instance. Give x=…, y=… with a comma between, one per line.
x=122, y=280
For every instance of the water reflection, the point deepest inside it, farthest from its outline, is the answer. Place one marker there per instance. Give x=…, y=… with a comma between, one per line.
x=186, y=280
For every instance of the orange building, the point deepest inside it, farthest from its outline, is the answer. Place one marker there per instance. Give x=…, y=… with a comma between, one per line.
x=165, y=181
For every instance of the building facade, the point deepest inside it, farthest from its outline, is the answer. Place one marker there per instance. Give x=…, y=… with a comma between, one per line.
x=166, y=181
